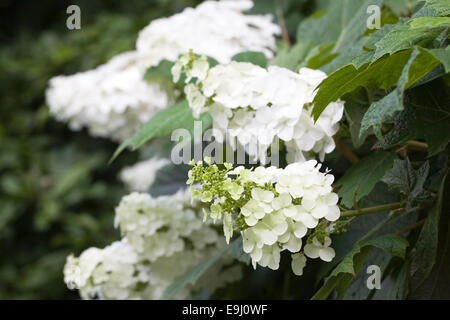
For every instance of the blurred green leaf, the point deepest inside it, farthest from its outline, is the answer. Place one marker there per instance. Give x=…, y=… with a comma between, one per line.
x=433, y=283
x=254, y=57
x=427, y=244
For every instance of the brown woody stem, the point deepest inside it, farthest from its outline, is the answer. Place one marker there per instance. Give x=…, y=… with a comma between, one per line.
x=346, y=152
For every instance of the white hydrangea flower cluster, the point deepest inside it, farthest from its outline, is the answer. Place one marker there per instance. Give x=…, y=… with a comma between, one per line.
x=112, y=100
x=274, y=209
x=140, y=176
x=163, y=238
x=255, y=106
x=218, y=29
x=104, y=273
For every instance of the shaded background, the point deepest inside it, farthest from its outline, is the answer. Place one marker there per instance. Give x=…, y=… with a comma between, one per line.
x=57, y=193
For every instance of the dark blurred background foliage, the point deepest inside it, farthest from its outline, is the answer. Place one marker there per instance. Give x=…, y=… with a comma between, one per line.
x=57, y=193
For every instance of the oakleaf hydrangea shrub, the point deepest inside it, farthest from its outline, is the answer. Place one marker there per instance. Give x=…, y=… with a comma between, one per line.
x=370, y=105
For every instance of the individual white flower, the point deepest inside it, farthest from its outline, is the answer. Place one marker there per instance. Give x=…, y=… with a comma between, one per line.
x=195, y=98
x=78, y=270
x=234, y=189
x=323, y=207
x=141, y=175
x=270, y=257
x=199, y=69
x=303, y=216
x=227, y=227
x=283, y=201
x=257, y=207
x=253, y=211
x=180, y=66
x=262, y=175
x=323, y=250
x=298, y=263
x=275, y=222
x=252, y=244
x=291, y=240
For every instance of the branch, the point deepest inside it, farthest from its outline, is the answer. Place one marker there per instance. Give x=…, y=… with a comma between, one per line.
x=346, y=152
x=412, y=145
x=280, y=18
x=361, y=212
x=411, y=227
x=416, y=145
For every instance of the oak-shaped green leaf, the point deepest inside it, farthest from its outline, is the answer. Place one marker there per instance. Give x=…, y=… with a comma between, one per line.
x=408, y=181
x=434, y=8
x=418, y=31
x=443, y=55
x=178, y=116
x=425, y=116
x=419, y=64
x=254, y=57
x=341, y=276
x=361, y=178
x=382, y=74
x=342, y=23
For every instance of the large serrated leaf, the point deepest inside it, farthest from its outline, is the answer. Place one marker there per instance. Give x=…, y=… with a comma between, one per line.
x=408, y=181
x=361, y=178
x=178, y=116
x=419, y=64
x=434, y=8
x=382, y=74
x=426, y=116
x=341, y=277
x=443, y=55
x=343, y=23
x=421, y=30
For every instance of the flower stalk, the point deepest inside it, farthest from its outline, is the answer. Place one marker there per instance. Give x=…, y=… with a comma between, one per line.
x=374, y=209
